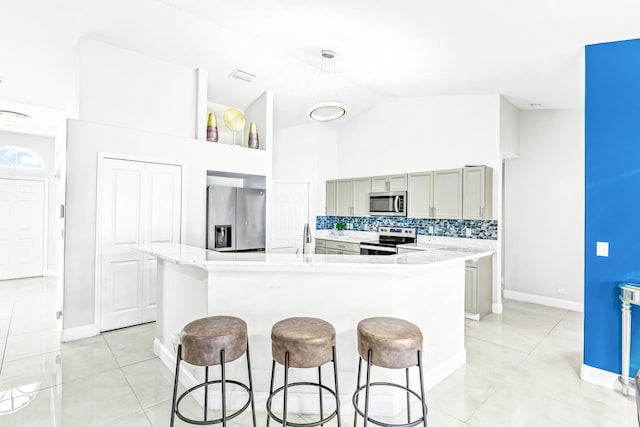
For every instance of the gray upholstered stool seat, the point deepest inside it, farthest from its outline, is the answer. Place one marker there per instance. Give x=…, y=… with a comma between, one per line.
x=308, y=340
x=203, y=339
x=303, y=342
x=391, y=343
x=394, y=343
x=210, y=341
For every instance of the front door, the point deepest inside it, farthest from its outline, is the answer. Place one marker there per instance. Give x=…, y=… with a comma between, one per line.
x=22, y=219
x=140, y=204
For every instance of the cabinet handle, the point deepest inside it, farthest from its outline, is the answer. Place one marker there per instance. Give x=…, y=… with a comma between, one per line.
x=481, y=212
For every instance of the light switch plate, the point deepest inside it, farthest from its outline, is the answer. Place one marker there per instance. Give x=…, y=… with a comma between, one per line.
x=602, y=248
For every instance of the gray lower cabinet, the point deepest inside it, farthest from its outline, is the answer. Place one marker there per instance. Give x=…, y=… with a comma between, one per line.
x=321, y=246
x=478, y=286
x=342, y=248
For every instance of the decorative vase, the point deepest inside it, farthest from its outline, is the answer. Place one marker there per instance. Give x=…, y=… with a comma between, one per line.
x=253, y=136
x=212, y=128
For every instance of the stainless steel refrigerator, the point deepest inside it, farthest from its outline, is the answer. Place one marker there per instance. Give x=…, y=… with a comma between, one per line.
x=235, y=219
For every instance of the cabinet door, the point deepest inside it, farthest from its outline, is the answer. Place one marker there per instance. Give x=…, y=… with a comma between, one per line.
x=330, y=198
x=398, y=182
x=471, y=290
x=344, y=206
x=361, y=190
x=333, y=251
x=420, y=195
x=447, y=193
x=476, y=193
x=344, y=199
x=321, y=250
x=379, y=184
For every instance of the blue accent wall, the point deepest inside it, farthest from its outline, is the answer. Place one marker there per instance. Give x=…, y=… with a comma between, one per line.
x=612, y=198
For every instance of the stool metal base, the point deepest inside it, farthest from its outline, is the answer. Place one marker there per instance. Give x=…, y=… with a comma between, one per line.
x=285, y=389
x=367, y=386
x=175, y=408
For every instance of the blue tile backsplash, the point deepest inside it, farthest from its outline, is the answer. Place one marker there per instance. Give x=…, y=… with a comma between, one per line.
x=480, y=229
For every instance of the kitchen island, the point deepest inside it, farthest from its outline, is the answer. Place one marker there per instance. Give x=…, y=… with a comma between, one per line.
x=426, y=288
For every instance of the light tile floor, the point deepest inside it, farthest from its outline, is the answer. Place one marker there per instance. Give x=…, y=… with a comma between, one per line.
x=522, y=370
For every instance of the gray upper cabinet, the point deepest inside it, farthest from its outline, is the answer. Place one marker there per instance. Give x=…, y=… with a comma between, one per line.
x=361, y=188
x=464, y=193
x=477, y=200
x=420, y=195
x=389, y=183
x=447, y=193
x=331, y=197
x=344, y=206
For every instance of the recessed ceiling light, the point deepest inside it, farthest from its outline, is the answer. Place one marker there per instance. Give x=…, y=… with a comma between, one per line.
x=535, y=106
x=14, y=118
x=242, y=75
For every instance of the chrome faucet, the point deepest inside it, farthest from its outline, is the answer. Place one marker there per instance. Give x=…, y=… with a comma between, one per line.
x=306, y=239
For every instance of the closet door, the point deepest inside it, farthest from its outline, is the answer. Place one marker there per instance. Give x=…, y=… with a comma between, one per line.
x=140, y=203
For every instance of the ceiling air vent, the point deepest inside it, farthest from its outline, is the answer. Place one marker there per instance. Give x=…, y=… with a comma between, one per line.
x=242, y=75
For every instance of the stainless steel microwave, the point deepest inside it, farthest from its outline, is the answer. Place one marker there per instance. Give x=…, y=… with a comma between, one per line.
x=391, y=203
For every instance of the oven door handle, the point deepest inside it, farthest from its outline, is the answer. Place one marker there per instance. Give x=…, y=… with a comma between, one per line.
x=396, y=203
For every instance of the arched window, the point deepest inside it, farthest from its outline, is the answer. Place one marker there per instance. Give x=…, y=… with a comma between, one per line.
x=18, y=157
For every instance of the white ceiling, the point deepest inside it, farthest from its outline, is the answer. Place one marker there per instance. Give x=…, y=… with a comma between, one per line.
x=530, y=51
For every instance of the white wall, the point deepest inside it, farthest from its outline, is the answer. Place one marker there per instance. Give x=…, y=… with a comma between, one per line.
x=124, y=88
x=509, y=129
x=544, y=207
x=307, y=153
x=43, y=147
x=424, y=133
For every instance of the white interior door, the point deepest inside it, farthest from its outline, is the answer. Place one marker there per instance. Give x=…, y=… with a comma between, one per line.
x=22, y=219
x=290, y=213
x=140, y=203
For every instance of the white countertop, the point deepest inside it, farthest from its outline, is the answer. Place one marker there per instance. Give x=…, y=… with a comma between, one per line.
x=189, y=255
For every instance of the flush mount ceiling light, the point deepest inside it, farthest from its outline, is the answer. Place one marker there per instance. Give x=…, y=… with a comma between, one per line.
x=14, y=118
x=325, y=111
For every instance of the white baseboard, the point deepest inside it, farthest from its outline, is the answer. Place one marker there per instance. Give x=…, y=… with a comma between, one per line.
x=542, y=300
x=79, y=332
x=602, y=378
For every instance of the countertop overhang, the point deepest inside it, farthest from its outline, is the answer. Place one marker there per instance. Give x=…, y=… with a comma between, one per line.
x=189, y=255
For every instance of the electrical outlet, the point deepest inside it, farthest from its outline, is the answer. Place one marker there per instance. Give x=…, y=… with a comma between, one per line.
x=430, y=229
x=468, y=232
x=562, y=290
x=366, y=227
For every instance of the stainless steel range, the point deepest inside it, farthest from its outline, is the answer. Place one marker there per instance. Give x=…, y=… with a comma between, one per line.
x=388, y=240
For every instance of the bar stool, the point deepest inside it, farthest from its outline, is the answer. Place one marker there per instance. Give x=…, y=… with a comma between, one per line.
x=210, y=341
x=303, y=342
x=391, y=343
